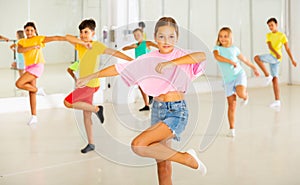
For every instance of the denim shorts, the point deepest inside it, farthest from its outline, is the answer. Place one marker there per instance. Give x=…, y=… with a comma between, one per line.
x=173, y=114
x=230, y=87
x=274, y=63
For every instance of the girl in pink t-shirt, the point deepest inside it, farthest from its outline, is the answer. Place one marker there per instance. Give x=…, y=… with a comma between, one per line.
x=165, y=75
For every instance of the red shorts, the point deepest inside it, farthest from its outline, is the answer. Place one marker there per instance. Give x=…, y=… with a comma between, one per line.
x=84, y=94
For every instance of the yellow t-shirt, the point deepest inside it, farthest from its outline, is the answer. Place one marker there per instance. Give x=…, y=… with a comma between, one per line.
x=277, y=40
x=34, y=56
x=89, y=61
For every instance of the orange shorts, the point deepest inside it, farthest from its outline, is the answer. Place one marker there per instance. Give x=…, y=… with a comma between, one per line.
x=84, y=94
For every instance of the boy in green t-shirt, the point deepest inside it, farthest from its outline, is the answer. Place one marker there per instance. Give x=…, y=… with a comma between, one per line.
x=275, y=40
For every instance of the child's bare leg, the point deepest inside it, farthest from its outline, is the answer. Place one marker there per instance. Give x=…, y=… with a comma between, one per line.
x=261, y=65
x=82, y=106
x=164, y=169
x=148, y=144
x=231, y=110
x=24, y=82
x=276, y=88
x=241, y=92
x=145, y=97
x=87, y=119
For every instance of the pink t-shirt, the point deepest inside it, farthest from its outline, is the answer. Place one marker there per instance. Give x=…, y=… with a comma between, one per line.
x=142, y=72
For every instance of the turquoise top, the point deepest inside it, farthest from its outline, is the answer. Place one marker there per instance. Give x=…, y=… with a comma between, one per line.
x=141, y=49
x=229, y=72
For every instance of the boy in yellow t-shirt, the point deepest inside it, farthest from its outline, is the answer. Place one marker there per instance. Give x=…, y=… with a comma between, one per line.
x=82, y=98
x=275, y=40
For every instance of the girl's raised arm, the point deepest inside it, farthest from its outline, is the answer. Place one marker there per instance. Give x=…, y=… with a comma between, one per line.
x=223, y=59
x=242, y=58
x=22, y=49
x=192, y=58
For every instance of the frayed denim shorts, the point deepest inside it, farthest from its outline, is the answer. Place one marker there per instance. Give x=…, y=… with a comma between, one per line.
x=274, y=63
x=173, y=114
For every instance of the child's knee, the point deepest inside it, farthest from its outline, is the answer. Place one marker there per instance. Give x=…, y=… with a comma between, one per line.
x=18, y=84
x=67, y=104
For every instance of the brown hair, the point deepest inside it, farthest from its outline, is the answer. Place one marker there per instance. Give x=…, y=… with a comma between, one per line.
x=137, y=29
x=20, y=34
x=166, y=21
x=228, y=30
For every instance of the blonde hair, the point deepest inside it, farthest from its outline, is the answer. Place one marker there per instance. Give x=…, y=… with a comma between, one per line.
x=228, y=30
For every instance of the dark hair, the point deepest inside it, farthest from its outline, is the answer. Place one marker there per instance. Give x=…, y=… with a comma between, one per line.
x=166, y=21
x=142, y=24
x=137, y=29
x=31, y=24
x=87, y=23
x=272, y=20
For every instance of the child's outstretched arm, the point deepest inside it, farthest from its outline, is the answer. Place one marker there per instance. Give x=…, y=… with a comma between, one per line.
x=74, y=40
x=129, y=47
x=54, y=38
x=4, y=38
x=22, y=49
x=242, y=58
x=117, y=54
x=106, y=72
x=151, y=44
x=287, y=49
x=223, y=59
x=192, y=58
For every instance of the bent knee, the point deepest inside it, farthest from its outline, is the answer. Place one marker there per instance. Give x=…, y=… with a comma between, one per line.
x=138, y=146
x=18, y=84
x=256, y=58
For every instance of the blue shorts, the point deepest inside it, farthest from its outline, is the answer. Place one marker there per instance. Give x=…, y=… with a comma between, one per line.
x=230, y=87
x=173, y=114
x=274, y=63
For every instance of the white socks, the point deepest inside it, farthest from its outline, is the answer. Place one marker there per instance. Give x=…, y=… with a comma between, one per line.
x=231, y=133
x=32, y=120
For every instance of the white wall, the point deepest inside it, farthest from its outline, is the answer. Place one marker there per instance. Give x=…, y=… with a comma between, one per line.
x=294, y=41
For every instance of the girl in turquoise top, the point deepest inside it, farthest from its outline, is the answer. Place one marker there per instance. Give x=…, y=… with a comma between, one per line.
x=235, y=79
x=19, y=63
x=141, y=47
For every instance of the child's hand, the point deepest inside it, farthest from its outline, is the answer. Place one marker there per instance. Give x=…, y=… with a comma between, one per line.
x=37, y=47
x=256, y=73
x=88, y=45
x=278, y=56
x=81, y=82
x=294, y=63
x=163, y=65
x=234, y=64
